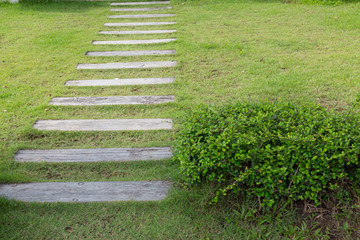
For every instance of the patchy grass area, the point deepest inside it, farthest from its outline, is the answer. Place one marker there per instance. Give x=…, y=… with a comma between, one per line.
x=182, y=216
x=227, y=50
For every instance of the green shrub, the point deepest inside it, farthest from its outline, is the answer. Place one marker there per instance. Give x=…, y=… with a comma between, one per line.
x=270, y=151
x=35, y=1
x=318, y=2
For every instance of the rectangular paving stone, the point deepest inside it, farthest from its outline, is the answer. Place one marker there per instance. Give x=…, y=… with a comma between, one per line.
x=138, y=24
x=127, y=65
x=137, y=32
x=138, y=3
x=113, y=100
x=142, y=16
x=104, y=124
x=134, y=42
x=86, y=191
x=138, y=9
x=94, y=155
x=119, y=82
x=130, y=53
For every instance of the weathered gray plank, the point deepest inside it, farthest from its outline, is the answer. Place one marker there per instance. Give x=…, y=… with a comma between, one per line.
x=104, y=124
x=138, y=9
x=137, y=32
x=119, y=82
x=143, y=16
x=138, y=3
x=133, y=42
x=94, y=155
x=86, y=191
x=113, y=100
x=138, y=24
x=127, y=65
x=130, y=53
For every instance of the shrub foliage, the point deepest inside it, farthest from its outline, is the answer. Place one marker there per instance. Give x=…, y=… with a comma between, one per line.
x=271, y=151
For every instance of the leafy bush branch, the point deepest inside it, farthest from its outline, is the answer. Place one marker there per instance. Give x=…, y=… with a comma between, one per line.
x=271, y=151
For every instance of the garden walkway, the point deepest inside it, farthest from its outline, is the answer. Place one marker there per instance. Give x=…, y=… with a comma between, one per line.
x=106, y=191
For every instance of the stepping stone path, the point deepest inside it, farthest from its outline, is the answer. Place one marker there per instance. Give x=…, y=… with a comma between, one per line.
x=105, y=191
x=137, y=32
x=130, y=53
x=138, y=24
x=142, y=16
x=114, y=100
x=120, y=82
x=127, y=65
x=133, y=42
x=104, y=124
x=86, y=191
x=139, y=3
x=94, y=155
x=138, y=9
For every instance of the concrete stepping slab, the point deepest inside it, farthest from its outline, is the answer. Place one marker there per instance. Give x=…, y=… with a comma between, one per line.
x=134, y=42
x=138, y=24
x=127, y=65
x=130, y=53
x=94, y=155
x=86, y=191
x=139, y=3
x=113, y=100
x=138, y=9
x=137, y=32
x=119, y=82
x=104, y=124
x=143, y=16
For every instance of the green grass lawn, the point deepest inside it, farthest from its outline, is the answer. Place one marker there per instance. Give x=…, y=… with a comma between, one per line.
x=227, y=50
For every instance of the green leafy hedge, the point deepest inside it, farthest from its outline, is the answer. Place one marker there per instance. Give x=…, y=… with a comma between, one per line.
x=270, y=151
